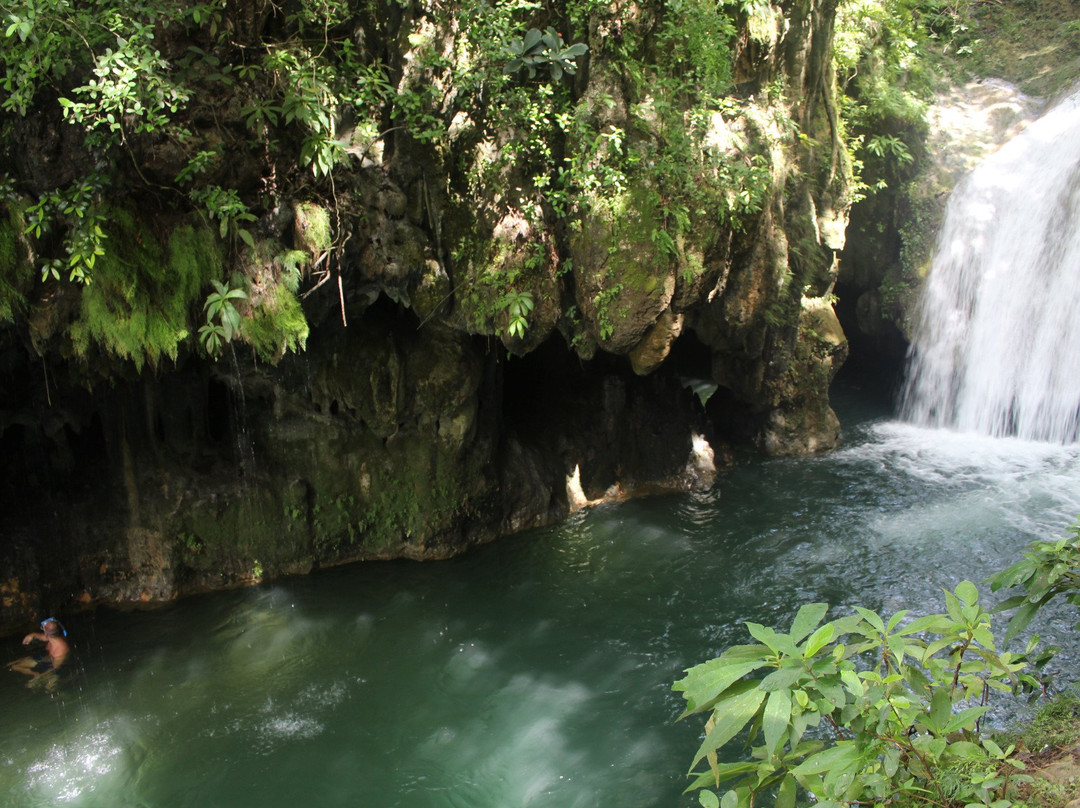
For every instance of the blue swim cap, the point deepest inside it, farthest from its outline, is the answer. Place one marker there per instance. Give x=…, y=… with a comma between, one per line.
x=53, y=620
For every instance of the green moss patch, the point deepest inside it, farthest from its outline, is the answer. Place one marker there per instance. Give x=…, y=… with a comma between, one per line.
x=143, y=289
x=16, y=273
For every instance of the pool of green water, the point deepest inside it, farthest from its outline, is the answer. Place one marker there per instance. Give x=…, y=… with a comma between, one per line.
x=535, y=671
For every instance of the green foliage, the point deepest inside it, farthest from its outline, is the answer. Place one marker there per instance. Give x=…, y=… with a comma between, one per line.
x=222, y=318
x=697, y=39
x=190, y=543
x=1047, y=570
x=224, y=205
x=16, y=271
x=277, y=323
x=517, y=305
x=858, y=710
x=129, y=87
x=544, y=49
x=882, y=54
x=138, y=306
x=133, y=87
x=76, y=212
x=889, y=146
x=603, y=305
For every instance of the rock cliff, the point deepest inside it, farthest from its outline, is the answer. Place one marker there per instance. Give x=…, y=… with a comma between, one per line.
x=325, y=320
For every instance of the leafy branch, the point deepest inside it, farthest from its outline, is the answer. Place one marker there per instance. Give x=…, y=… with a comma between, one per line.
x=75, y=209
x=518, y=305
x=225, y=205
x=902, y=700
x=222, y=318
x=543, y=49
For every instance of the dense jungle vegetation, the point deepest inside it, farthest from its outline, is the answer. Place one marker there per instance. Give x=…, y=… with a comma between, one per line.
x=219, y=111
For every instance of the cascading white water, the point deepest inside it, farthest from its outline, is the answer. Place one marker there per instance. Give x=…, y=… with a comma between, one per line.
x=996, y=347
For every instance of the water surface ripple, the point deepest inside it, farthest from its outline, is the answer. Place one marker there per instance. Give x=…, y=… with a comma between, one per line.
x=535, y=671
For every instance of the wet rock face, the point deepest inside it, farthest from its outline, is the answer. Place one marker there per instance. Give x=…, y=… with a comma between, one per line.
x=417, y=422
x=389, y=440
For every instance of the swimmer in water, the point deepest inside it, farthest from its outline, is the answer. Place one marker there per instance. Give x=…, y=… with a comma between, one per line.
x=43, y=665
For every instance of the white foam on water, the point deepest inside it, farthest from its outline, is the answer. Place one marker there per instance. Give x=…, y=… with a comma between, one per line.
x=100, y=760
x=972, y=482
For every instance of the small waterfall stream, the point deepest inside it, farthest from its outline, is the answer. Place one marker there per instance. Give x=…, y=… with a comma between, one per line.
x=997, y=338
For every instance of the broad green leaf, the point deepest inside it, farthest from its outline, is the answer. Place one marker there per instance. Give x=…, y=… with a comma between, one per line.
x=705, y=683
x=708, y=800
x=730, y=800
x=872, y=618
x=775, y=720
x=852, y=682
x=965, y=719
x=783, y=677
x=940, y=710
x=936, y=646
x=892, y=761
x=894, y=621
x=1011, y=576
x=967, y=592
x=776, y=642
x=722, y=772
x=984, y=637
x=936, y=623
x=1020, y=621
x=846, y=625
x=732, y=714
x=807, y=619
x=833, y=691
x=785, y=795
x=532, y=38
x=965, y=750
x=726, y=771
x=842, y=757
x=1010, y=603
x=954, y=607
x=818, y=640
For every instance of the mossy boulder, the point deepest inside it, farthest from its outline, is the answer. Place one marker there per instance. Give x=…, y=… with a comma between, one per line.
x=623, y=282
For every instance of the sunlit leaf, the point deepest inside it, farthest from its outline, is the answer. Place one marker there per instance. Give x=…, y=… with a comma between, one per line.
x=807, y=619
x=732, y=716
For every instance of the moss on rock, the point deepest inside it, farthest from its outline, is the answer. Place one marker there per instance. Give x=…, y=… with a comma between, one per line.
x=137, y=305
x=16, y=270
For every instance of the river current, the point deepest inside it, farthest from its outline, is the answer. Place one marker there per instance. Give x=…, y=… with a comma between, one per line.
x=535, y=671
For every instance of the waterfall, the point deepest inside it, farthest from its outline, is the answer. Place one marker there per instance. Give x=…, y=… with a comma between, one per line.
x=996, y=346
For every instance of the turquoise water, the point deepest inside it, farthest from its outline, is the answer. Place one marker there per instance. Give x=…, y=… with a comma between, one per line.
x=535, y=671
